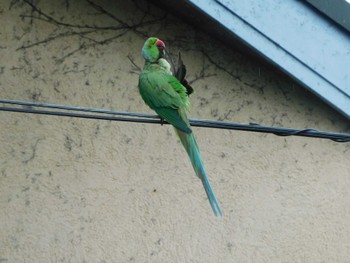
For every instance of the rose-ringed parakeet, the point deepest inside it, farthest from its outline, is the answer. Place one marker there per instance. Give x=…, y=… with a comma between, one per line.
x=165, y=94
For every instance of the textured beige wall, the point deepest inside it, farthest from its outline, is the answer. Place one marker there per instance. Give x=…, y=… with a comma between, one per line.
x=75, y=190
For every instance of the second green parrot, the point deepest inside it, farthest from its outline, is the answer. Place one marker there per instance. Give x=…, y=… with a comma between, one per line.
x=164, y=93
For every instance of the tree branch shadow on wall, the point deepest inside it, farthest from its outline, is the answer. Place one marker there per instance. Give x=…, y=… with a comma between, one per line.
x=92, y=34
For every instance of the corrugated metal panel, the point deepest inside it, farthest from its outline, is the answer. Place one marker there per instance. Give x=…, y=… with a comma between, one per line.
x=296, y=38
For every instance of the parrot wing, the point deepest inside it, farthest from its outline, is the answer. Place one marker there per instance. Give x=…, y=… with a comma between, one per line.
x=164, y=94
x=181, y=74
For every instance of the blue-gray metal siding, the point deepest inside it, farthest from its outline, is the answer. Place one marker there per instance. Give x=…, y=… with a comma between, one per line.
x=291, y=34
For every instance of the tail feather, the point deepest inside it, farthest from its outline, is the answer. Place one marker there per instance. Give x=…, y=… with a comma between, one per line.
x=191, y=147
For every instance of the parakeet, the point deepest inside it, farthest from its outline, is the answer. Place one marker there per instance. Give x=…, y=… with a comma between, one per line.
x=165, y=94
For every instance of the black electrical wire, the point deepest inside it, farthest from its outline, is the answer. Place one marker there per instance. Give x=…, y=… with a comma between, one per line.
x=155, y=119
x=72, y=108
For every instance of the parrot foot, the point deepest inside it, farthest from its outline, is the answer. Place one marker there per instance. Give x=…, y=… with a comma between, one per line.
x=161, y=121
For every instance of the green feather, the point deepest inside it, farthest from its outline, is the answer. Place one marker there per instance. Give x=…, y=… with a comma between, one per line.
x=173, y=117
x=163, y=93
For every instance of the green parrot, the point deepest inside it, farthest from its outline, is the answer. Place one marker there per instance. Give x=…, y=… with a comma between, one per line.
x=165, y=94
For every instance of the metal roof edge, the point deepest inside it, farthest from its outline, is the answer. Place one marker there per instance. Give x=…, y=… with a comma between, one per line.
x=306, y=73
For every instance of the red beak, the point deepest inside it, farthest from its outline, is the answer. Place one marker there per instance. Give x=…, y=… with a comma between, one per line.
x=160, y=43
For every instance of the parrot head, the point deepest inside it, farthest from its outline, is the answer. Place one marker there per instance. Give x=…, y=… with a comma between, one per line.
x=153, y=49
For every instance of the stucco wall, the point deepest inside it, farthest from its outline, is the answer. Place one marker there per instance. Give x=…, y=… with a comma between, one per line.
x=75, y=190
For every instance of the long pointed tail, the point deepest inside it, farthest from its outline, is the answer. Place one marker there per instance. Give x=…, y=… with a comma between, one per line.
x=191, y=147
